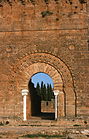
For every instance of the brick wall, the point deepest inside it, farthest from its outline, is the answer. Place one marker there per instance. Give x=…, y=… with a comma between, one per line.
x=48, y=106
x=57, y=28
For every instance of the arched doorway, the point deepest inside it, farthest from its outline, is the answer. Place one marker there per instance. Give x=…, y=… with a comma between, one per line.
x=42, y=96
x=58, y=85
x=60, y=74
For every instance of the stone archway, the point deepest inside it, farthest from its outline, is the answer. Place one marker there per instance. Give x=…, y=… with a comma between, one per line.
x=58, y=71
x=56, y=77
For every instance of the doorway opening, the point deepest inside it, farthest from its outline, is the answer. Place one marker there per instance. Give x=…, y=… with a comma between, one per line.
x=42, y=96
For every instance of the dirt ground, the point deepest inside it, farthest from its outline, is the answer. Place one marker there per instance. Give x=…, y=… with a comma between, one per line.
x=42, y=132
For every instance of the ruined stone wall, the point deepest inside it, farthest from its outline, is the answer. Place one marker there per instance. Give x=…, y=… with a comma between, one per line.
x=59, y=28
x=48, y=106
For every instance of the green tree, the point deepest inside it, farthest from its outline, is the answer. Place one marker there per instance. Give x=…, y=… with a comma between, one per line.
x=38, y=89
x=51, y=92
x=46, y=93
x=42, y=90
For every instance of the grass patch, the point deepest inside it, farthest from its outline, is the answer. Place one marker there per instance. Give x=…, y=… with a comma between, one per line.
x=30, y=125
x=76, y=125
x=36, y=125
x=1, y=124
x=46, y=13
x=42, y=135
x=23, y=125
x=33, y=125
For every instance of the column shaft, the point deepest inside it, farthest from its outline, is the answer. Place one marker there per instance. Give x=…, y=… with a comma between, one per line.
x=55, y=107
x=24, y=107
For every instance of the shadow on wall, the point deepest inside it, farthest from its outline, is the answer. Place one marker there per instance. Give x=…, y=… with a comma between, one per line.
x=35, y=100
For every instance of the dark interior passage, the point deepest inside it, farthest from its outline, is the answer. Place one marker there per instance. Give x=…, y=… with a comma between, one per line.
x=38, y=109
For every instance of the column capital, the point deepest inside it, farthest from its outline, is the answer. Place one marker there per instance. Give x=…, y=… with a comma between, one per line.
x=56, y=92
x=24, y=92
x=61, y=92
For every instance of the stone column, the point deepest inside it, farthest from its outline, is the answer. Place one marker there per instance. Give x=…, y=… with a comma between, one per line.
x=56, y=92
x=24, y=94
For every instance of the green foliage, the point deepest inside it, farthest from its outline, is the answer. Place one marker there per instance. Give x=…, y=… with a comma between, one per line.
x=1, y=124
x=76, y=125
x=23, y=125
x=42, y=135
x=46, y=13
x=42, y=91
x=38, y=89
x=46, y=93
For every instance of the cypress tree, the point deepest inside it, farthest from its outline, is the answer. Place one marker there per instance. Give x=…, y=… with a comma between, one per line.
x=38, y=89
x=48, y=93
x=44, y=93
x=42, y=90
x=51, y=91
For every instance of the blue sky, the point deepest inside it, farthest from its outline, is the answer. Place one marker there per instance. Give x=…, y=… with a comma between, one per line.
x=39, y=77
